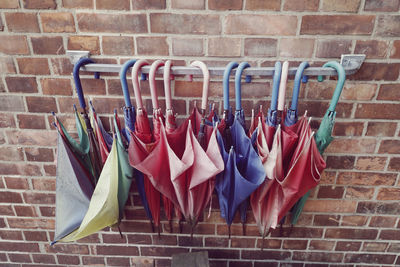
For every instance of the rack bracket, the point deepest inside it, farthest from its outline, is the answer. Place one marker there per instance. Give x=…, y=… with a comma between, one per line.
x=76, y=55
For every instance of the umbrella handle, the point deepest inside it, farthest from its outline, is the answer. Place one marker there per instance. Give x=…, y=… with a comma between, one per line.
x=124, y=83
x=206, y=82
x=275, y=85
x=225, y=83
x=77, y=79
x=238, y=84
x=135, y=80
x=339, y=86
x=167, y=84
x=297, y=82
x=282, y=86
x=152, y=82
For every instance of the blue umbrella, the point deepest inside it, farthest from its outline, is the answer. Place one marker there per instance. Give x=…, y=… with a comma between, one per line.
x=272, y=119
x=243, y=168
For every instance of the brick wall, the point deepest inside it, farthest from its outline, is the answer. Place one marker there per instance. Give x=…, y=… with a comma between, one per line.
x=352, y=217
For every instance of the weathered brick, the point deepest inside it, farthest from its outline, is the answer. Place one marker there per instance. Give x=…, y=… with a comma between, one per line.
x=296, y=47
x=337, y=24
x=11, y=154
x=22, y=22
x=184, y=4
x=7, y=120
x=317, y=256
x=351, y=233
x=39, y=154
x=21, y=85
x=377, y=111
x=225, y=4
x=389, y=91
x=41, y=104
x=374, y=246
x=340, y=162
x=152, y=45
x=91, y=260
x=20, y=258
x=55, y=86
x=185, y=23
x=265, y=47
x=61, y=66
x=265, y=255
x=390, y=146
x=10, y=197
x=347, y=246
x=295, y=244
x=14, y=45
x=9, y=4
x=383, y=221
x=352, y=146
x=330, y=192
x=382, y=5
x=394, y=164
x=216, y=242
x=387, y=26
x=57, y=22
x=89, y=43
x=25, y=211
x=118, y=45
x=268, y=243
x=394, y=247
x=353, y=220
x=377, y=71
x=250, y=24
x=113, y=5
x=152, y=4
x=348, y=129
x=68, y=259
x=221, y=46
x=395, y=52
x=388, y=194
x=372, y=48
x=7, y=65
x=299, y=232
x=35, y=236
x=36, y=66
x=322, y=205
x=332, y=48
x=187, y=47
x=29, y=121
x=370, y=258
x=378, y=207
x=366, y=178
x=381, y=128
x=274, y=5
x=321, y=245
x=16, y=183
x=121, y=23
x=77, y=3
x=67, y=249
x=244, y=243
x=43, y=258
x=341, y=5
x=353, y=192
x=303, y=5
x=42, y=4
x=44, y=45
x=10, y=235
x=19, y=246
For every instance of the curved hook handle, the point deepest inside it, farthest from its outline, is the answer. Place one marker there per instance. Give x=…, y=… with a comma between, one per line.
x=275, y=85
x=77, y=80
x=206, y=82
x=124, y=83
x=225, y=83
x=152, y=81
x=238, y=84
x=135, y=80
x=167, y=84
x=297, y=82
x=282, y=86
x=339, y=86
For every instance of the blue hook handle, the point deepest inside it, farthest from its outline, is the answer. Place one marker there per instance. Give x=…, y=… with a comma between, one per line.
x=238, y=84
x=275, y=85
x=77, y=80
x=225, y=82
x=124, y=83
x=297, y=82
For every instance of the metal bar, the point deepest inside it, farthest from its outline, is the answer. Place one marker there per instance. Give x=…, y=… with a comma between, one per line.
x=351, y=64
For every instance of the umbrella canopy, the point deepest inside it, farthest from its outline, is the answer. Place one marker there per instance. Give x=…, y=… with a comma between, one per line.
x=323, y=137
x=243, y=171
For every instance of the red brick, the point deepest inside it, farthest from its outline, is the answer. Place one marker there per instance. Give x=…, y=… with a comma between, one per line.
x=152, y=45
x=61, y=66
x=25, y=211
x=10, y=197
x=387, y=26
x=183, y=4
x=115, y=5
x=28, y=121
x=145, y=4
x=118, y=261
x=57, y=22
x=39, y=198
x=320, y=205
x=21, y=258
x=35, y=236
x=117, y=250
x=321, y=245
x=225, y=4
x=39, y=154
x=366, y=178
x=340, y=162
x=377, y=71
x=378, y=111
x=378, y=207
x=344, y=233
x=348, y=129
x=9, y=4
x=381, y=5
x=216, y=242
x=243, y=242
x=14, y=45
x=10, y=235
x=326, y=220
x=296, y=48
x=330, y=192
x=7, y=120
x=121, y=23
x=50, y=170
x=41, y=104
x=383, y=222
x=354, y=192
x=42, y=4
x=390, y=146
x=352, y=146
x=67, y=249
x=263, y=263
x=43, y=258
x=299, y=232
x=303, y=5
x=374, y=246
x=250, y=24
x=332, y=48
x=388, y=194
x=68, y=259
x=394, y=164
x=44, y=45
x=295, y=244
x=7, y=65
x=353, y=220
x=6, y=210
x=224, y=47
x=22, y=22
x=370, y=258
x=36, y=66
x=77, y=3
x=55, y=86
x=32, y=138
x=118, y=45
x=269, y=243
x=19, y=169
x=337, y=24
x=372, y=48
x=265, y=47
x=341, y=5
x=16, y=183
x=90, y=260
x=11, y=154
x=395, y=52
x=389, y=91
x=394, y=247
x=347, y=246
x=317, y=256
x=187, y=47
x=19, y=246
x=274, y=5
x=317, y=109
x=381, y=129
x=88, y=43
x=185, y=23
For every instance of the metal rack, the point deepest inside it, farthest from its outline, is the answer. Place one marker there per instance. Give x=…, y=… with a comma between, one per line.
x=351, y=63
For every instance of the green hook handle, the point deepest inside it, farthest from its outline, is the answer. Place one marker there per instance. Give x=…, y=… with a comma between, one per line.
x=339, y=86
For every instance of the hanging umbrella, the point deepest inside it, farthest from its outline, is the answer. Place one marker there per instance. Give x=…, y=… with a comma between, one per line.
x=143, y=132
x=243, y=168
x=129, y=119
x=323, y=137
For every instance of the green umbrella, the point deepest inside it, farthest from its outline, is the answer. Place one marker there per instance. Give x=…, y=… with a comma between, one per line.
x=323, y=137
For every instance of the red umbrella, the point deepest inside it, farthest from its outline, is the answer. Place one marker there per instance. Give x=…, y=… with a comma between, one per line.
x=143, y=133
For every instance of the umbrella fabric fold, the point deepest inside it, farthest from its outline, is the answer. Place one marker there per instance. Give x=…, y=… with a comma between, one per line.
x=103, y=138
